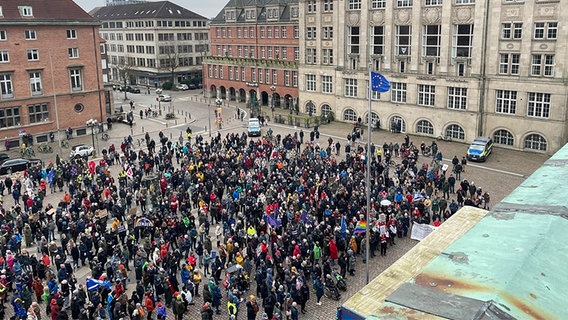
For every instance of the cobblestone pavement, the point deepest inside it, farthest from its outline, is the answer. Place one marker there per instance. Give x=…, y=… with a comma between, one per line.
x=503, y=172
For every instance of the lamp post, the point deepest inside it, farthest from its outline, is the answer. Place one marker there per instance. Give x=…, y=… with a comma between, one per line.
x=92, y=123
x=209, y=113
x=273, y=102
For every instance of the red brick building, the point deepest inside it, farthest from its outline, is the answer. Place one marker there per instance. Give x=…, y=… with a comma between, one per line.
x=50, y=68
x=254, y=53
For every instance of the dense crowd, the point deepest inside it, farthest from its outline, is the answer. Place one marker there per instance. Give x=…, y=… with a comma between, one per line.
x=253, y=226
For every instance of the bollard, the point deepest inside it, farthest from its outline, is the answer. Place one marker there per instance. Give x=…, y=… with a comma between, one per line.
x=170, y=136
x=176, y=122
x=190, y=115
x=142, y=129
x=205, y=129
x=166, y=124
x=185, y=119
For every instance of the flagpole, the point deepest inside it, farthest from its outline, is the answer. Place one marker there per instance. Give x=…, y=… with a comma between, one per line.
x=368, y=181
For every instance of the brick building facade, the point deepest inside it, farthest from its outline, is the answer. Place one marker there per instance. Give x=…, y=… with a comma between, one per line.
x=50, y=68
x=254, y=53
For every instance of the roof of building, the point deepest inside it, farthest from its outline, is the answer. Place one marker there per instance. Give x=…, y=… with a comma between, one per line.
x=46, y=11
x=506, y=264
x=240, y=5
x=147, y=10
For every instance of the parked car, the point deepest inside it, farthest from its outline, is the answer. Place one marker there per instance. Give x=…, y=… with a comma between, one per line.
x=82, y=150
x=165, y=98
x=192, y=86
x=4, y=157
x=480, y=149
x=182, y=86
x=132, y=89
x=17, y=164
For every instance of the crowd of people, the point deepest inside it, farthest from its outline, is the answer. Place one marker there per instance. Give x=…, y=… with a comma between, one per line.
x=253, y=226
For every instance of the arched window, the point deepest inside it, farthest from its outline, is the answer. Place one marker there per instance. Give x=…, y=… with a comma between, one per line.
x=310, y=108
x=349, y=115
x=425, y=127
x=536, y=142
x=397, y=124
x=325, y=110
x=455, y=131
x=374, y=118
x=503, y=137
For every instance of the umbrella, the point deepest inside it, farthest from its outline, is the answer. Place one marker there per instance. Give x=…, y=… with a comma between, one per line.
x=385, y=202
x=51, y=211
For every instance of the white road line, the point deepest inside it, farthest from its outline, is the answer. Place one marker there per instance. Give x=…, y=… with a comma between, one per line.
x=493, y=169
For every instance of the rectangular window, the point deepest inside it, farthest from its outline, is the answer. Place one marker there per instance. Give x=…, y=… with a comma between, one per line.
x=30, y=34
x=378, y=40
x=262, y=32
x=328, y=5
x=404, y=3
x=38, y=113
x=296, y=53
x=545, y=30
x=457, y=98
x=269, y=32
x=326, y=84
x=353, y=40
x=294, y=79
x=276, y=32
x=26, y=11
x=283, y=32
x=311, y=82
x=267, y=75
x=9, y=117
x=378, y=4
x=403, y=40
x=311, y=55
x=76, y=80
x=433, y=2
x=327, y=56
x=311, y=33
x=4, y=56
x=253, y=74
x=509, y=63
x=398, y=92
x=274, y=76
x=431, y=41
x=506, y=101
x=311, y=6
x=243, y=74
x=73, y=53
x=296, y=32
x=462, y=40
x=350, y=87
x=33, y=54
x=35, y=83
x=3, y=36
x=465, y=1
x=327, y=33
x=512, y=31
x=538, y=105
x=354, y=5
x=287, y=78
x=542, y=65
x=71, y=34
x=426, y=95
x=6, y=86
x=375, y=95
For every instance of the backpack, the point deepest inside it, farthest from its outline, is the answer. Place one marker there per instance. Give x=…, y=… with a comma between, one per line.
x=254, y=306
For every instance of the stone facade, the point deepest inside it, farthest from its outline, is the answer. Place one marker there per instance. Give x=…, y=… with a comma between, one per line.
x=456, y=67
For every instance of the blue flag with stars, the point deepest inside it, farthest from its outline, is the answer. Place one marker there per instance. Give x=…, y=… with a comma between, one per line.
x=379, y=83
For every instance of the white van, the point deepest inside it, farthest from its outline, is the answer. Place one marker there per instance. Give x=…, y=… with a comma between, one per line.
x=254, y=127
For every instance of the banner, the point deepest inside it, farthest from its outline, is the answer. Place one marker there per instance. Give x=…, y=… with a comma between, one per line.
x=421, y=231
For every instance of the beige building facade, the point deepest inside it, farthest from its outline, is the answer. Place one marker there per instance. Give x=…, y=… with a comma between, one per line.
x=458, y=68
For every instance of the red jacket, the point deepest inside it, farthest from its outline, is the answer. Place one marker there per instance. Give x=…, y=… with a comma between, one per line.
x=149, y=304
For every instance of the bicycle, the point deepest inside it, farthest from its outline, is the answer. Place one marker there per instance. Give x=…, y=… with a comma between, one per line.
x=444, y=138
x=65, y=144
x=27, y=152
x=105, y=136
x=44, y=148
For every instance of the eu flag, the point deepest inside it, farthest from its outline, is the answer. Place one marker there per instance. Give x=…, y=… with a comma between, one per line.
x=379, y=82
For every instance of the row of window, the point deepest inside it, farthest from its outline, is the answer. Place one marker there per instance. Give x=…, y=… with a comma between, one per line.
x=504, y=137
x=265, y=52
x=32, y=34
x=35, y=81
x=149, y=37
x=11, y=116
x=266, y=76
x=249, y=32
x=380, y=4
x=33, y=54
x=150, y=24
x=541, y=30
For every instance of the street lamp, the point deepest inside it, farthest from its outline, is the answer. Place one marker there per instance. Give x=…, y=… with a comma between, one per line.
x=209, y=113
x=273, y=89
x=92, y=123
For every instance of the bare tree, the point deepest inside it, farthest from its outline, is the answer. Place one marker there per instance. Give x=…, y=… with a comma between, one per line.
x=169, y=58
x=125, y=68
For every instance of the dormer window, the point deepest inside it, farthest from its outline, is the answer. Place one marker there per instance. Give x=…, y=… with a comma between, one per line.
x=251, y=14
x=295, y=12
x=26, y=11
x=230, y=15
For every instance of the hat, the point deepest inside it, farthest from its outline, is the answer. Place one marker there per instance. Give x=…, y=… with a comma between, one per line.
x=53, y=301
x=159, y=304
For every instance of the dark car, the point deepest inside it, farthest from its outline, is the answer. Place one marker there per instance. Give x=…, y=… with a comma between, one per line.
x=4, y=157
x=192, y=86
x=132, y=89
x=17, y=164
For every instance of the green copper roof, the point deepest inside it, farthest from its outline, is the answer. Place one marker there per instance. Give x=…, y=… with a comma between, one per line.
x=510, y=265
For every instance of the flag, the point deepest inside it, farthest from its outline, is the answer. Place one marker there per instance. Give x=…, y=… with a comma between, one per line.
x=361, y=227
x=343, y=226
x=379, y=83
x=93, y=284
x=50, y=176
x=273, y=222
